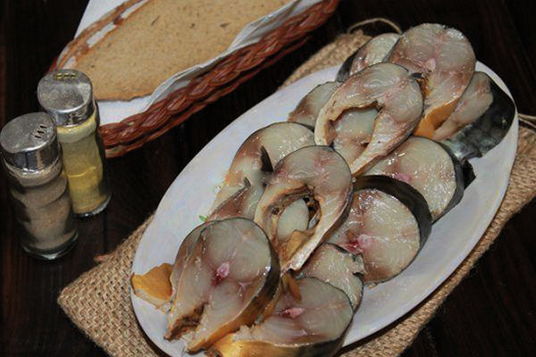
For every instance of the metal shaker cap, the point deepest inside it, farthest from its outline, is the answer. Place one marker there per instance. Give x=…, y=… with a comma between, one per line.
x=29, y=142
x=67, y=95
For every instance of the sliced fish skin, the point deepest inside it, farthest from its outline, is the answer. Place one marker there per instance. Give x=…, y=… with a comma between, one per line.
x=312, y=326
x=388, y=223
x=474, y=102
x=319, y=173
x=338, y=267
x=244, y=182
x=487, y=131
x=386, y=87
x=430, y=168
x=445, y=60
x=376, y=50
x=308, y=108
x=230, y=275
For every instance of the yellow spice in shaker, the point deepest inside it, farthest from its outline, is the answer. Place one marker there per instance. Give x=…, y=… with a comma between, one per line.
x=83, y=165
x=67, y=96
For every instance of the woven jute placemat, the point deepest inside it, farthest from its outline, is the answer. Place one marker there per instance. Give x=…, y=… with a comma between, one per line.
x=98, y=302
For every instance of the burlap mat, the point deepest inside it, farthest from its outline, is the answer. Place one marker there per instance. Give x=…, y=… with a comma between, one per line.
x=98, y=302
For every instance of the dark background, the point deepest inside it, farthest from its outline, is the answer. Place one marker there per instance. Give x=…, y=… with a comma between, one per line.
x=491, y=313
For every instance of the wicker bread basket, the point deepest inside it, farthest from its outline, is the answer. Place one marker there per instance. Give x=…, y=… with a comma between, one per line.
x=238, y=67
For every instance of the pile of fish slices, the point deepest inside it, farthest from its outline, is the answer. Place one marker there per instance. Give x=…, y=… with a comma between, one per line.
x=342, y=194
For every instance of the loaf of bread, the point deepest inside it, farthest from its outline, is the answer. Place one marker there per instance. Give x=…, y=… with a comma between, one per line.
x=163, y=37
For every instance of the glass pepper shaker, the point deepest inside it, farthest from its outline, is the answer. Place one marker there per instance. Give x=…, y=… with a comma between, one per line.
x=38, y=185
x=67, y=95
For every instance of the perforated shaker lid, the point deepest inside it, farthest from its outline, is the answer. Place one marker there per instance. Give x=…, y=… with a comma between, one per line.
x=29, y=142
x=67, y=95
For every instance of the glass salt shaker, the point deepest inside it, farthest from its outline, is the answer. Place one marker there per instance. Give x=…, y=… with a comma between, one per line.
x=67, y=95
x=38, y=186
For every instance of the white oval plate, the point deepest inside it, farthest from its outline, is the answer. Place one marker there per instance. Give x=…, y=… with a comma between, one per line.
x=452, y=239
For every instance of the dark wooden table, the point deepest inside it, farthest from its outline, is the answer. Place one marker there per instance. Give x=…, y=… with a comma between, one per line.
x=493, y=312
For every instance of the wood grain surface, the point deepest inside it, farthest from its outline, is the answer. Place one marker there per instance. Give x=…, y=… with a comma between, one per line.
x=493, y=311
